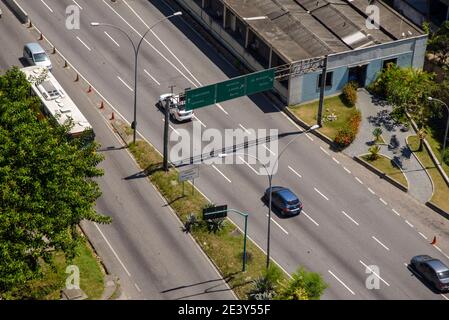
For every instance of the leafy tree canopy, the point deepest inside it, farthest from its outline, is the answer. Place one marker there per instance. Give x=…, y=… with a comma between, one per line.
x=46, y=185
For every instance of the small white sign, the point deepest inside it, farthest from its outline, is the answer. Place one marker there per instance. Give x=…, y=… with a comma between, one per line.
x=189, y=174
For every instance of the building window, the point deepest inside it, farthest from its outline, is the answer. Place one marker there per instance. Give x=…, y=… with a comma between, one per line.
x=329, y=76
x=386, y=63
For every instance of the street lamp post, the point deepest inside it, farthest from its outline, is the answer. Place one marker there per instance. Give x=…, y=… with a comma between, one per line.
x=270, y=180
x=447, y=126
x=136, y=55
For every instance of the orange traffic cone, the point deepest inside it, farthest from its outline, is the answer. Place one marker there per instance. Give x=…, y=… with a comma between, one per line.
x=101, y=105
x=112, y=116
x=434, y=240
x=41, y=37
x=90, y=89
x=77, y=77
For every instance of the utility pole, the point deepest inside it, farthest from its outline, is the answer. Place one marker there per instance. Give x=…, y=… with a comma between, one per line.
x=166, y=123
x=322, y=88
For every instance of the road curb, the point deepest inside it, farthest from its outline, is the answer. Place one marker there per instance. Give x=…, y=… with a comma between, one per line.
x=381, y=174
x=437, y=209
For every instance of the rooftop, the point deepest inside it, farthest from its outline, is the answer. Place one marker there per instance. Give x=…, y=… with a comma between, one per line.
x=302, y=29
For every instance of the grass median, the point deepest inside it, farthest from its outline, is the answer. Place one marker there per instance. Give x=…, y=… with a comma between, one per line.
x=334, y=108
x=224, y=248
x=53, y=281
x=387, y=166
x=441, y=190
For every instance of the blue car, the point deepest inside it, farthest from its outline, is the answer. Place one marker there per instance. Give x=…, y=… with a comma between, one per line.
x=284, y=200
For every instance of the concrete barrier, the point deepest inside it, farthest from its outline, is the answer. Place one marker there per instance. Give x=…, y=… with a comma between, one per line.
x=437, y=209
x=381, y=174
x=17, y=10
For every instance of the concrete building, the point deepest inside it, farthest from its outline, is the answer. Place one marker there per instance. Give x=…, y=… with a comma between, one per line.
x=285, y=34
x=419, y=11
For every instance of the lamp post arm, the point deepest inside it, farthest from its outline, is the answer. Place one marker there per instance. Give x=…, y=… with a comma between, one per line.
x=122, y=31
x=151, y=27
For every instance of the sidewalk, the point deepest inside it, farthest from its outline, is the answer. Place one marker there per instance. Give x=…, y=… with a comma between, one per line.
x=375, y=113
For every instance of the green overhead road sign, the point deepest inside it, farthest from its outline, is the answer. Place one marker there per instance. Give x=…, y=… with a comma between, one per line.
x=231, y=89
x=200, y=97
x=259, y=81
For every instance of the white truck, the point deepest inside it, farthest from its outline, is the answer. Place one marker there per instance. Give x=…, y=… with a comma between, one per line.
x=176, y=107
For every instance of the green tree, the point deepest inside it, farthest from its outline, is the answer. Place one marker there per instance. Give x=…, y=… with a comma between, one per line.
x=47, y=186
x=438, y=44
x=304, y=285
x=374, y=153
x=407, y=89
x=377, y=132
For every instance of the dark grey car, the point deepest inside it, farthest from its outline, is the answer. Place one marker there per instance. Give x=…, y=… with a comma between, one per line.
x=432, y=270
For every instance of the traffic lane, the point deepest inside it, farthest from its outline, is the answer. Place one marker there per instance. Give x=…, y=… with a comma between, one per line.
x=162, y=255
x=289, y=250
x=11, y=33
x=364, y=243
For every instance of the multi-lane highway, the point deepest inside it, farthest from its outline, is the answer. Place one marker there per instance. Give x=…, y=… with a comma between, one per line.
x=144, y=246
x=352, y=224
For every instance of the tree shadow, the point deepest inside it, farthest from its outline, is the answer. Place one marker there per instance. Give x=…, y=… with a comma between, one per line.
x=383, y=119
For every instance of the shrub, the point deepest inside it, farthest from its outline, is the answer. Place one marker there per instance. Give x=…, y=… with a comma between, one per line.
x=304, y=285
x=346, y=135
x=377, y=132
x=350, y=94
x=264, y=288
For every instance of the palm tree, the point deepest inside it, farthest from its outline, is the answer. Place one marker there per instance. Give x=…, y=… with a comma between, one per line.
x=377, y=132
x=422, y=133
x=374, y=153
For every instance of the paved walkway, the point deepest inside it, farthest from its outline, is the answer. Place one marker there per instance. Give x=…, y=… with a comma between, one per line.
x=375, y=113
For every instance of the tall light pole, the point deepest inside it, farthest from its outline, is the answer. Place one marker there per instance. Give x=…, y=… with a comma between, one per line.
x=270, y=180
x=136, y=55
x=447, y=126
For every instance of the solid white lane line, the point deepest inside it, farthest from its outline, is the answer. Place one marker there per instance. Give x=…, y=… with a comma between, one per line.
x=112, y=39
x=222, y=174
x=244, y=129
x=371, y=190
x=359, y=181
x=152, y=78
x=201, y=122
x=411, y=225
x=325, y=151
x=309, y=137
x=83, y=43
x=221, y=108
x=294, y=171
x=350, y=218
x=112, y=249
x=378, y=241
x=344, y=285
x=335, y=160
x=321, y=194
x=347, y=170
x=422, y=235
x=249, y=165
x=310, y=218
x=366, y=267
x=285, y=231
x=48, y=7
x=126, y=85
x=81, y=8
x=397, y=213
x=383, y=201
x=438, y=248
x=445, y=297
x=153, y=47
x=137, y=287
